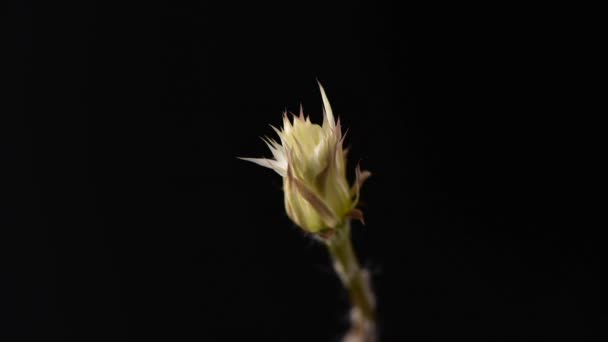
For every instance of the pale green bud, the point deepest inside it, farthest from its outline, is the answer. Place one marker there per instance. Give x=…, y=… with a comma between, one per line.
x=312, y=162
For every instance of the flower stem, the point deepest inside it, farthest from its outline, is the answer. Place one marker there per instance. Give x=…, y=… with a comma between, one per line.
x=356, y=282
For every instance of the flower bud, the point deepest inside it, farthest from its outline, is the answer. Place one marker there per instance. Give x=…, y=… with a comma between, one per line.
x=312, y=162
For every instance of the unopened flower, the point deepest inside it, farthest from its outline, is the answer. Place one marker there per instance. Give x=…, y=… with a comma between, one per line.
x=312, y=162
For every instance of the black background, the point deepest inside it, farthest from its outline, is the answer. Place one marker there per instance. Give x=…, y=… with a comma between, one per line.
x=128, y=217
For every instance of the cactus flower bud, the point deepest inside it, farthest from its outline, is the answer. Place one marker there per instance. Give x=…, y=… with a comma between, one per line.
x=312, y=162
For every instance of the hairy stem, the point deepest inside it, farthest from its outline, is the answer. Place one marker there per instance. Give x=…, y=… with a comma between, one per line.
x=356, y=282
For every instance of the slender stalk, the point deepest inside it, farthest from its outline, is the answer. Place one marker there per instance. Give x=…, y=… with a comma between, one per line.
x=356, y=282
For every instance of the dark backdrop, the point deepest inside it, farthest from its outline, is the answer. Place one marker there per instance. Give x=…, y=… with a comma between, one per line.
x=127, y=216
